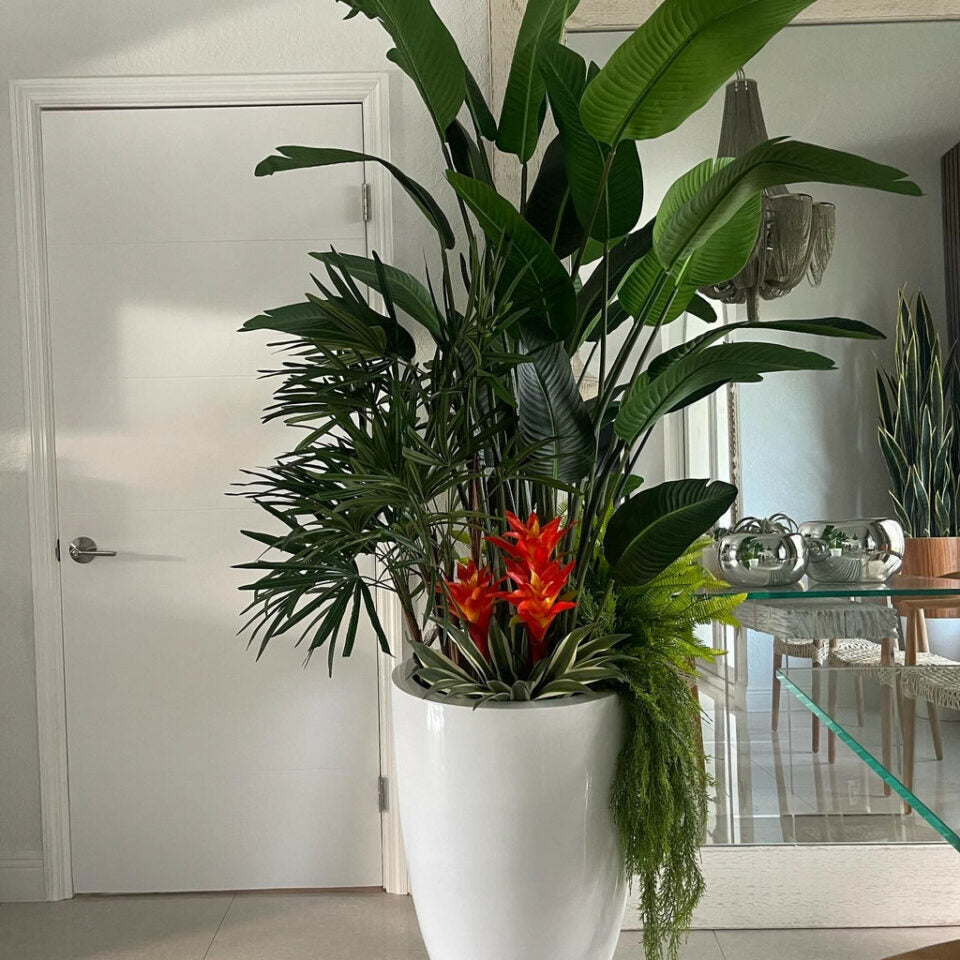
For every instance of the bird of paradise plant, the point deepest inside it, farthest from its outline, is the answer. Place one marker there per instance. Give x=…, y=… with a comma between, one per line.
x=407, y=456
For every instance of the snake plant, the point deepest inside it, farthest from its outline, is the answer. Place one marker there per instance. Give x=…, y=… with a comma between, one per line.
x=920, y=425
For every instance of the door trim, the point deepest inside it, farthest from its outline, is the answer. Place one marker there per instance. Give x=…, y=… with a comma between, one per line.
x=29, y=98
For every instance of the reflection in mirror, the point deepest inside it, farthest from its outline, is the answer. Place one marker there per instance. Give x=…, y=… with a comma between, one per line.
x=806, y=442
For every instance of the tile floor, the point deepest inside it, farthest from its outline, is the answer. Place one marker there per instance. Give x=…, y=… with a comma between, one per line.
x=346, y=926
x=772, y=788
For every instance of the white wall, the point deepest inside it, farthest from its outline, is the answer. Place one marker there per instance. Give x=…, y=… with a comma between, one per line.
x=56, y=38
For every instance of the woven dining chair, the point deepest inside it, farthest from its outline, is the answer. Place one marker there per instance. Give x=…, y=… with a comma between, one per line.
x=933, y=679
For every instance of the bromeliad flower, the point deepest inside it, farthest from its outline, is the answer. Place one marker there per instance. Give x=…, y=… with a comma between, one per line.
x=536, y=599
x=528, y=542
x=473, y=595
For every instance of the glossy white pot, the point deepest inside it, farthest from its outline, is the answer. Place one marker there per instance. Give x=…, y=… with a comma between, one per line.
x=505, y=809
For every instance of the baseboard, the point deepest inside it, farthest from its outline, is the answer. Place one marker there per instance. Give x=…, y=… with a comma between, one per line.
x=21, y=877
x=841, y=885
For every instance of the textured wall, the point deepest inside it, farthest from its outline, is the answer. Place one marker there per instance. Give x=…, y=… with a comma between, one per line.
x=57, y=38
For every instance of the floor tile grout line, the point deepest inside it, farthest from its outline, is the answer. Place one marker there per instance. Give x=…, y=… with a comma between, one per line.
x=716, y=940
x=216, y=932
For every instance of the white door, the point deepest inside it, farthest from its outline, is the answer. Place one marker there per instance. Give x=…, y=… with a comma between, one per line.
x=192, y=766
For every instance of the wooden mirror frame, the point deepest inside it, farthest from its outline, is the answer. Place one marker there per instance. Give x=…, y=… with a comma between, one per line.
x=612, y=15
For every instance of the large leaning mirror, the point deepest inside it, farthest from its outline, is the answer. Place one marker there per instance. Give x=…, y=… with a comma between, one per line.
x=805, y=444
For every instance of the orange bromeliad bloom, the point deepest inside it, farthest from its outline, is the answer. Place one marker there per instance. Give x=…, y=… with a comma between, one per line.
x=473, y=594
x=532, y=544
x=538, y=578
x=536, y=599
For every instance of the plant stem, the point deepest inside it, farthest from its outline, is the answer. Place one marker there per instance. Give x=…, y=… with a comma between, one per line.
x=601, y=192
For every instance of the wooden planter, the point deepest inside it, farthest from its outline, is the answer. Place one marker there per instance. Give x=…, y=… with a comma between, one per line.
x=933, y=557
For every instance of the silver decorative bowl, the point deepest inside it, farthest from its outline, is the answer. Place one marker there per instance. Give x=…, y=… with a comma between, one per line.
x=854, y=551
x=762, y=559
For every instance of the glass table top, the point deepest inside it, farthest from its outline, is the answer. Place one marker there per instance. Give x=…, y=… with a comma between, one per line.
x=897, y=586
x=869, y=712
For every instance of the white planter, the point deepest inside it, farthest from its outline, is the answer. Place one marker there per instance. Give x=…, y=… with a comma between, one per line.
x=511, y=846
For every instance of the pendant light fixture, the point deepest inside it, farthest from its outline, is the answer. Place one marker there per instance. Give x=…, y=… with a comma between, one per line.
x=796, y=233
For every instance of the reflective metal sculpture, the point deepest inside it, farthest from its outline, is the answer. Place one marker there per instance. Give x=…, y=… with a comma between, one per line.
x=853, y=551
x=796, y=234
x=761, y=559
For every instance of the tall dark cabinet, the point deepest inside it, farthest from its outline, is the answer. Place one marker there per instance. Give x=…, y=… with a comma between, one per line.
x=950, y=170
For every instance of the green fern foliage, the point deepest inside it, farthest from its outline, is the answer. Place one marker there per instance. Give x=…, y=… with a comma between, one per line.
x=661, y=790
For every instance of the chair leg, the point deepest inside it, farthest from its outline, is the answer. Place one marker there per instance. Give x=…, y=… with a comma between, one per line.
x=815, y=726
x=775, y=706
x=886, y=711
x=935, y=729
x=924, y=641
x=908, y=717
x=832, y=708
x=909, y=723
x=858, y=686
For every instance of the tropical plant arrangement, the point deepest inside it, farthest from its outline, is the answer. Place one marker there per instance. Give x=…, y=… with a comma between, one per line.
x=919, y=427
x=471, y=479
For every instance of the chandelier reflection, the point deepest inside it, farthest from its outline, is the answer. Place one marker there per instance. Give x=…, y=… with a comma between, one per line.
x=796, y=234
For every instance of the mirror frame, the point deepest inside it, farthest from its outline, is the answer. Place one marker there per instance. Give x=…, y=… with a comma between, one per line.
x=613, y=15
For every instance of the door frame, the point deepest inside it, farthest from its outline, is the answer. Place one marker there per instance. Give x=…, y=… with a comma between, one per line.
x=29, y=99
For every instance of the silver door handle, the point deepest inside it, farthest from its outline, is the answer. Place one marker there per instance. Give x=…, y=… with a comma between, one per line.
x=83, y=550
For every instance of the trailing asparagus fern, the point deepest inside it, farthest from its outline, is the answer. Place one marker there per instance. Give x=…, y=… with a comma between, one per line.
x=661, y=789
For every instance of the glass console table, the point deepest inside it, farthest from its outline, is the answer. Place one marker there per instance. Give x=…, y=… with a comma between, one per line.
x=896, y=587
x=905, y=723
x=926, y=777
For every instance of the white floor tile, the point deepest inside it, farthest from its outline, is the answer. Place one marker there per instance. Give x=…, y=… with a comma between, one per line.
x=319, y=926
x=699, y=945
x=177, y=927
x=350, y=926
x=828, y=944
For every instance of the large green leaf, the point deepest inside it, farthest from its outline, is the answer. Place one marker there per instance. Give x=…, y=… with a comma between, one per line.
x=468, y=156
x=297, y=158
x=521, y=118
x=820, y=327
x=616, y=211
x=636, y=293
x=720, y=199
x=620, y=258
x=655, y=526
x=336, y=325
x=553, y=416
x=671, y=66
x=653, y=396
x=424, y=50
x=543, y=286
x=550, y=207
x=483, y=119
x=726, y=251
x=393, y=284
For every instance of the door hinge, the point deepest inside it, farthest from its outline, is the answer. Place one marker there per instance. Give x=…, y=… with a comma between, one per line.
x=383, y=794
x=57, y=550
x=365, y=202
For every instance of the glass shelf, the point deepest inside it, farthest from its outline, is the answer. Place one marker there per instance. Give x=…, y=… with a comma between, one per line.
x=930, y=791
x=898, y=586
